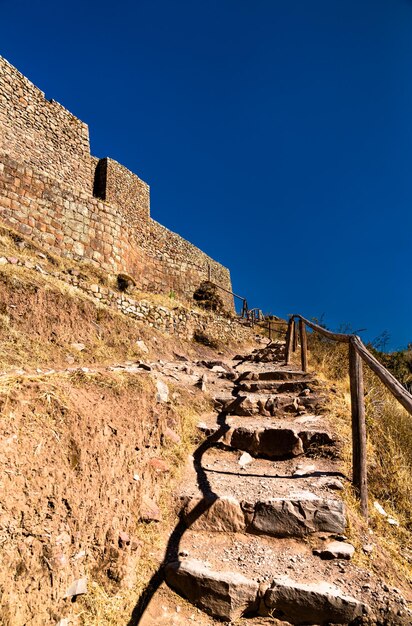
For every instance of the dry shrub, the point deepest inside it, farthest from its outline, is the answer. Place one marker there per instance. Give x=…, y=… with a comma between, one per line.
x=389, y=450
x=208, y=297
x=205, y=340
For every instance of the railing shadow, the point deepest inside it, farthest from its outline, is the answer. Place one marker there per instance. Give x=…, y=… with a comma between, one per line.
x=209, y=497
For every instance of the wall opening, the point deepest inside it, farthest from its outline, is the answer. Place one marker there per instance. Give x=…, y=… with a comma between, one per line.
x=100, y=180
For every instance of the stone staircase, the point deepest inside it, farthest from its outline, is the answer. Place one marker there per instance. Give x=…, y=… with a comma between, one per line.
x=265, y=521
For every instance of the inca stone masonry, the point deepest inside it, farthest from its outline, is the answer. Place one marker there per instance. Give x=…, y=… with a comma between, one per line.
x=53, y=190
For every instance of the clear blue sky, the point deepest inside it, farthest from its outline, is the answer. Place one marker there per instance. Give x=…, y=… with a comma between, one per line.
x=275, y=134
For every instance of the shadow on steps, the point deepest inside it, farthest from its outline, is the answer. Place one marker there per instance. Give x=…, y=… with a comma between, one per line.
x=172, y=549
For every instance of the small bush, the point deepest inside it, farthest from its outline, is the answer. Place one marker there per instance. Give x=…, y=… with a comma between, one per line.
x=204, y=340
x=207, y=297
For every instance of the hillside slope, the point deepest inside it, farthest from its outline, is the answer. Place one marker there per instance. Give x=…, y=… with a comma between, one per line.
x=101, y=397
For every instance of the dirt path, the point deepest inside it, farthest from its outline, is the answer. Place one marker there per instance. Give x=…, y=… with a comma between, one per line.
x=262, y=530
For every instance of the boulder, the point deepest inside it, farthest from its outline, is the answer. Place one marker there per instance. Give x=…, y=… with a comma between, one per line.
x=335, y=550
x=162, y=389
x=318, y=603
x=78, y=587
x=271, y=442
x=223, y=514
x=224, y=595
x=298, y=517
x=149, y=511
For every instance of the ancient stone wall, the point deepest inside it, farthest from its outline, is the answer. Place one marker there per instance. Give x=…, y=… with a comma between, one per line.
x=175, y=319
x=119, y=186
x=54, y=191
x=73, y=223
x=41, y=133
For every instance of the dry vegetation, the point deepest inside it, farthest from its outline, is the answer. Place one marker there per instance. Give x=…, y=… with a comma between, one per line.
x=77, y=446
x=389, y=429
x=76, y=463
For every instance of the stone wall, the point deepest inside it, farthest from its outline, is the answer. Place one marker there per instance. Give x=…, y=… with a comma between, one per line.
x=41, y=133
x=185, y=322
x=72, y=223
x=119, y=186
x=54, y=191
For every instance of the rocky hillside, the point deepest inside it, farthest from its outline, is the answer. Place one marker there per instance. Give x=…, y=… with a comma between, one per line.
x=161, y=466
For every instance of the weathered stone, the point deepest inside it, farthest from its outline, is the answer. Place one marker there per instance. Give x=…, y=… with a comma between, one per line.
x=304, y=470
x=224, y=595
x=296, y=517
x=77, y=588
x=149, y=511
x=142, y=346
x=335, y=550
x=279, y=442
x=245, y=459
x=162, y=391
x=124, y=539
x=271, y=442
x=79, y=347
x=223, y=514
x=159, y=465
x=171, y=435
x=318, y=603
x=331, y=483
x=201, y=383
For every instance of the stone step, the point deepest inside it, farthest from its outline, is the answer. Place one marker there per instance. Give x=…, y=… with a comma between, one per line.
x=271, y=439
x=229, y=576
x=277, y=441
x=272, y=353
x=225, y=467
x=280, y=499
x=248, y=404
x=298, y=515
x=278, y=374
x=279, y=386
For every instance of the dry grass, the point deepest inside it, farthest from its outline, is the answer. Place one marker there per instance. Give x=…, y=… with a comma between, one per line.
x=102, y=608
x=41, y=319
x=389, y=452
x=82, y=431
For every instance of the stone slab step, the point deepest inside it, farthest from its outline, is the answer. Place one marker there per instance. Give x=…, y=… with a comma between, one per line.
x=297, y=515
x=272, y=353
x=245, y=575
x=295, y=386
x=271, y=374
x=281, y=499
x=273, y=439
x=272, y=404
x=277, y=441
x=322, y=474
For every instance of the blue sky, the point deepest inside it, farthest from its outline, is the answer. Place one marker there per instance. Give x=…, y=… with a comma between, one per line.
x=275, y=134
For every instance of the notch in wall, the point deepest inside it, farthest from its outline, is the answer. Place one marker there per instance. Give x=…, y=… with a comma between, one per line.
x=100, y=179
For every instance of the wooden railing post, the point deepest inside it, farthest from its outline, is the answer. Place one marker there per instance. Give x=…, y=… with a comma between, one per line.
x=289, y=340
x=360, y=480
x=295, y=336
x=303, y=346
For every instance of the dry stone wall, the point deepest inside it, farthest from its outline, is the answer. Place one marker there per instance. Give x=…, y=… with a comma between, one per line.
x=41, y=133
x=53, y=190
x=119, y=186
x=174, y=320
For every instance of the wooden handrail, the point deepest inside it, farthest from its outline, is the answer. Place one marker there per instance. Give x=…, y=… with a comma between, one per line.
x=322, y=331
x=401, y=394
x=358, y=352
